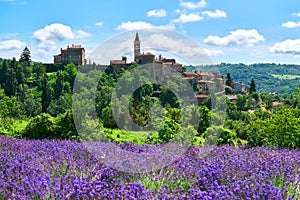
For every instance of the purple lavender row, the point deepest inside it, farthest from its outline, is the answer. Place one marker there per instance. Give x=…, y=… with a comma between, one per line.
x=54, y=169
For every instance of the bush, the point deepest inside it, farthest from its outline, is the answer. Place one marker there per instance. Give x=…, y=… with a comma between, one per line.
x=45, y=126
x=220, y=136
x=41, y=126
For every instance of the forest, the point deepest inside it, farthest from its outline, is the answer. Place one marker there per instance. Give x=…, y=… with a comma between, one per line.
x=269, y=77
x=37, y=104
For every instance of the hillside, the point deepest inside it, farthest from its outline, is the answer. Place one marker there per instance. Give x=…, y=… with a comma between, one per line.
x=268, y=77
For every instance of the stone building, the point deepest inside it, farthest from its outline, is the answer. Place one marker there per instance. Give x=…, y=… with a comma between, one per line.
x=74, y=54
x=204, y=83
x=239, y=88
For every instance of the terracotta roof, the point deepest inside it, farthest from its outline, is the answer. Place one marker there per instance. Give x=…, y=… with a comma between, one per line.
x=75, y=47
x=189, y=74
x=205, y=81
x=147, y=54
x=117, y=62
x=167, y=63
x=187, y=78
x=201, y=96
x=205, y=73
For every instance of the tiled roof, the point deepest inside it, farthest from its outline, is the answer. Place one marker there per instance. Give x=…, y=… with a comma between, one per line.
x=117, y=62
x=147, y=54
x=187, y=78
x=201, y=96
x=205, y=81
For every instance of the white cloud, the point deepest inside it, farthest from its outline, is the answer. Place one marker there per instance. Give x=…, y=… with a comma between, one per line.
x=296, y=14
x=214, y=52
x=291, y=24
x=177, y=11
x=287, y=47
x=193, y=5
x=138, y=25
x=240, y=37
x=181, y=47
x=193, y=17
x=99, y=24
x=11, y=45
x=58, y=32
x=215, y=14
x=50, y=34
x=80, y=34
x=157, y=13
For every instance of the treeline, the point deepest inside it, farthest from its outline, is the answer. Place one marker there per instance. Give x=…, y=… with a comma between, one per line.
x=35, y=104
x=27, y=91
x=269, y=77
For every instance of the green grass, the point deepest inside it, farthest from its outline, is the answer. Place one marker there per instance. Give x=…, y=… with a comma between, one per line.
x=285, y=76
x=137, y=137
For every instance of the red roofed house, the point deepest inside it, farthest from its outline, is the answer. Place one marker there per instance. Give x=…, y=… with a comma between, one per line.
x=74, y=54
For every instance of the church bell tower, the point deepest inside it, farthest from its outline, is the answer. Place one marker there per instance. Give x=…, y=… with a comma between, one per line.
x=137, y=47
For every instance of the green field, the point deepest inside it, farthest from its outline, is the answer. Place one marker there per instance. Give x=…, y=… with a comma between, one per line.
x=285, y=76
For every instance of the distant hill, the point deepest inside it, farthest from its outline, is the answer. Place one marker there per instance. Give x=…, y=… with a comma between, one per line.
x=281, y=78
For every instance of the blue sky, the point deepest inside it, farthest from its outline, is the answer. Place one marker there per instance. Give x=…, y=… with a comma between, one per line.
x=229, y=30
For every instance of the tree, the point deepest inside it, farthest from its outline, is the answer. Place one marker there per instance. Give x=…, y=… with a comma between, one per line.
x=204, y=119
x=59, y=85
x=46, y=93
x=228, y=90
x=229, y=80
x=38, y=71
x=10, y=84
x=25, y=56
x=70, y=73
x=241, y=102
x=252, y=86
x=169, y=130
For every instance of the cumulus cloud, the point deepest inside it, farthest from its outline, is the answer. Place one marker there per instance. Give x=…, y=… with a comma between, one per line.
x=193, y=17
x=80, y=34
x=193, y=5
x=138, y=25
x=297, y=14
x=58, y=32
x=157, y=13
x=50, y=34
x=240, y=37
x=179, y=46
x=99, y=24
x=287, y=47
x=214, y=52
x=8, y=45
x=291, y=24
x=215, y=14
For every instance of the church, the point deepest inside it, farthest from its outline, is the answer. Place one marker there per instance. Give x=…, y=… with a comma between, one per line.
x=145, y=58
x=203, y=82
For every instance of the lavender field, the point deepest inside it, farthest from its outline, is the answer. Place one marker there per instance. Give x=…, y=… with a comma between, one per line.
x=53, y=169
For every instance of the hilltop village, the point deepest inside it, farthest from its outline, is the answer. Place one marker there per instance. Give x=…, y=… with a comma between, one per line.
x=203, y=82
